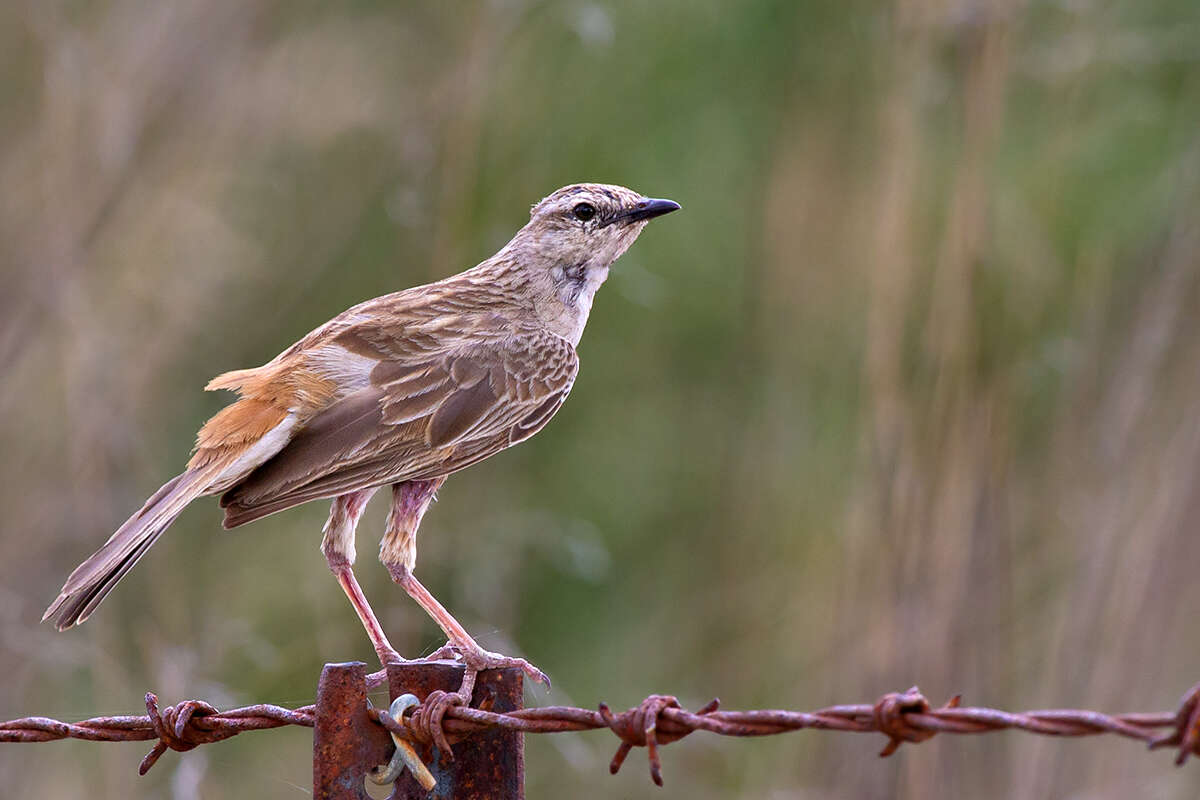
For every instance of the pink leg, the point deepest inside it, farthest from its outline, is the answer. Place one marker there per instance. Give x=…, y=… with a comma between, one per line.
x=338, y=547
x=398, y=553
x=349, y=584
x=474, y=656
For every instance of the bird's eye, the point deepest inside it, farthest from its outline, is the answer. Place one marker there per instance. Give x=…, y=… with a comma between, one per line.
x=584, y=211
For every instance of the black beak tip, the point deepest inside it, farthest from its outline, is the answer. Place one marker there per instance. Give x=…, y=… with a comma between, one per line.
x=651, y=208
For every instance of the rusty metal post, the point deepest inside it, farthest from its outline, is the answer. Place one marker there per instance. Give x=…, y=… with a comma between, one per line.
x=486, y=766
x=346, y=743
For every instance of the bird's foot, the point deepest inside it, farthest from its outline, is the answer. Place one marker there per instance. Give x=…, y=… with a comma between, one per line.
x=446, y=651
x=428, y=718
x=386, y=656
x=476, y=658
x=389, y=656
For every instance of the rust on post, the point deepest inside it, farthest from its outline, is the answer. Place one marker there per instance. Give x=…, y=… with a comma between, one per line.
x=346, y=743
x=489, y=765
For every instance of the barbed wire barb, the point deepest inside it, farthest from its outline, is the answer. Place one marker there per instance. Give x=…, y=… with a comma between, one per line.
x=904, y=717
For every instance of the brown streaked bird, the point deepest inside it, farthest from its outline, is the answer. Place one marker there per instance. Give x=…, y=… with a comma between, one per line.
x=399, y=391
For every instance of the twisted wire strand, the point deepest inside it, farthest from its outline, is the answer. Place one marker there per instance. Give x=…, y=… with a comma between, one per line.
x=656, y=721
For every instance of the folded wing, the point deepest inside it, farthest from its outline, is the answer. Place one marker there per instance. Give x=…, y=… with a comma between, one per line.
x=421, y=415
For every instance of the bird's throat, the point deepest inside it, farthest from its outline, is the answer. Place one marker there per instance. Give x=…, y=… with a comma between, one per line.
x=575, y=286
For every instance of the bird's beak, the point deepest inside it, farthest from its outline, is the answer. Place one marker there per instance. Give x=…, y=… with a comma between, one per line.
x=649, y=209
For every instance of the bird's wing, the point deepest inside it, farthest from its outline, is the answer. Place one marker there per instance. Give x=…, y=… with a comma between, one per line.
x=420, y=415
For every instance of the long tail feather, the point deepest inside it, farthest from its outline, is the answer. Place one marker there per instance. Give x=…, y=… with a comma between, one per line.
x=92, y=580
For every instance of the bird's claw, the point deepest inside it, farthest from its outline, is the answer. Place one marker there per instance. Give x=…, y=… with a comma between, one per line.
x=437, y=703
x=446, y=651
x=478, y=659
x=377, y=679
x=495, y=661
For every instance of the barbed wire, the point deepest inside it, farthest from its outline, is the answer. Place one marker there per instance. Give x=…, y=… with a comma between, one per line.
x=179, y=727
x=901, y=716
x=656, y=721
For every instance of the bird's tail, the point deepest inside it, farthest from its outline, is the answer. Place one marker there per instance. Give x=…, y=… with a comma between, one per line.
x=92, y=580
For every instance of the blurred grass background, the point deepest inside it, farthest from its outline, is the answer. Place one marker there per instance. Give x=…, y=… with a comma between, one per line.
x=907, y=394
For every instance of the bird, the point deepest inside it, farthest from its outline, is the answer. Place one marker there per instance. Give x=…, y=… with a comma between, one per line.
x=399, y=391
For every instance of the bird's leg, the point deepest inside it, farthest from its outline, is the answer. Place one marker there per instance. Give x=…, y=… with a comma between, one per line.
x=410, y=501
x=461, y=642
x=338, y=547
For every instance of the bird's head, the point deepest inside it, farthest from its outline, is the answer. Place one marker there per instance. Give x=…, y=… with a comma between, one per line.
x=563, y=254
x=579, y=231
